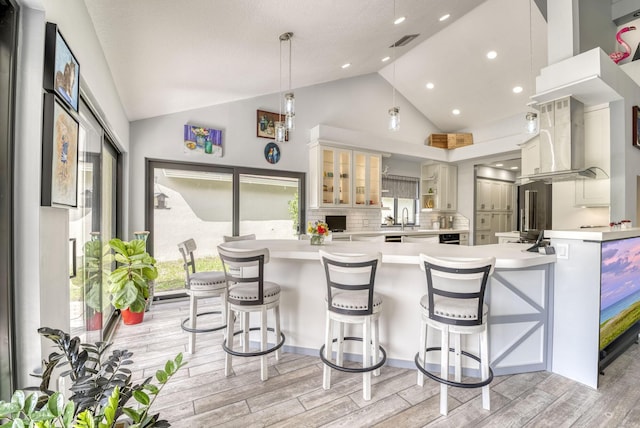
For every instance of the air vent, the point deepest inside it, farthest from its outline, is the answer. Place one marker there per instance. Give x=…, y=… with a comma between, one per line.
x=404, y=40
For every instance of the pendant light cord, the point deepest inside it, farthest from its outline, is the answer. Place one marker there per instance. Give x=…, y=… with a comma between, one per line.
x=393, y=53
x=533, y=83
x=280, y=86
x=289, y=64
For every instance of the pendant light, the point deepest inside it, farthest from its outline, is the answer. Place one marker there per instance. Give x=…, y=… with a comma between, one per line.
x=531, y=117
x=394, y=111
x=289, y=98
x=280, y=125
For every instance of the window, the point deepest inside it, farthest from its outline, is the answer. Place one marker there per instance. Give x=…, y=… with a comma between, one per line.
x=399, y=193
x=206, y=202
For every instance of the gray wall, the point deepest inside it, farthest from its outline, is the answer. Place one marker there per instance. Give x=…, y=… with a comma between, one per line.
x=358, y=103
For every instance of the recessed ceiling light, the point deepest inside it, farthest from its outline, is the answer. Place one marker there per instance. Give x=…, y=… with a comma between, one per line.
x=444, y=17
x=455, y=111
x=347, y=65
x=492, y=54
x=499, y=164
x=386, y=58
x=517, y=89
x=514, y=167
x=400, y=20
x=429, y=85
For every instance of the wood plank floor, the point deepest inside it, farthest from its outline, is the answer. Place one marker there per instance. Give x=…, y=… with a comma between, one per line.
x=201, y=396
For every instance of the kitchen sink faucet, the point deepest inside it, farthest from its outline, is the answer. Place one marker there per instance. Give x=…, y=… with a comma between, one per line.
x=403, y=219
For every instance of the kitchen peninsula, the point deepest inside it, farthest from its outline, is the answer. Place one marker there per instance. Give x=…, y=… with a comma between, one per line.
x=518, y=296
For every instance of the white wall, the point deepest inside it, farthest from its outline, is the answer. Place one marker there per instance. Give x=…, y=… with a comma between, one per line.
x=358, y=103
x=41, y=233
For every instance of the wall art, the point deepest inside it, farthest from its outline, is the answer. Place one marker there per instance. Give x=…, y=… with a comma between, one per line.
x=199, y=139
x=59, y=155
x=61, y=69
x=266, y=125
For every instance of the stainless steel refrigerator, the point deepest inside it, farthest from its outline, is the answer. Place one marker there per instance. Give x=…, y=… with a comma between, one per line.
x=534, y=209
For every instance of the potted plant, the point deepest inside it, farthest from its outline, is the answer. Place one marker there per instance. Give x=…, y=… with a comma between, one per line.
x=129, y=282
x=93, y=279
x=101, y=390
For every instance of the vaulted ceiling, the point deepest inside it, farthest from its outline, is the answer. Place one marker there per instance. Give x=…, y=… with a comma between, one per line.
x=168, y=56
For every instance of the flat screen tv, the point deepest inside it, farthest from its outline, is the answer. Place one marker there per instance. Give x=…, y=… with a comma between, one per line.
x=619, y=289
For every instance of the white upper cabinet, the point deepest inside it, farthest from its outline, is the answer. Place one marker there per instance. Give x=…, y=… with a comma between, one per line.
x=439, y=187
x=341, y=177
x=367, y=179
x=596, y=192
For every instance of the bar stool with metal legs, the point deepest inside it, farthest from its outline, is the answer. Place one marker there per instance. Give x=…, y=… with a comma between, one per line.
x=249, y=292
x=200, y=285
x=454, y=304
x=351, y=299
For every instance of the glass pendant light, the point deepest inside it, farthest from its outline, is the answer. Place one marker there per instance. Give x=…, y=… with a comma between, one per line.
x=532, y=122
x=289, y=98
x=394, y=118
x=394, y=112
x=280, y=132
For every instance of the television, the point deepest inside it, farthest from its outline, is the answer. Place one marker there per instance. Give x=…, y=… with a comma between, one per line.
x=619, y=295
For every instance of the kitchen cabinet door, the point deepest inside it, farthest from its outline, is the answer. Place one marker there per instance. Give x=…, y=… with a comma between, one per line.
x=483, y=221
x=596, y=192
x=483, y=195
x=330, y=171
x=482, y=238
x=366, y=179
x=449, y=187
x=496, y=195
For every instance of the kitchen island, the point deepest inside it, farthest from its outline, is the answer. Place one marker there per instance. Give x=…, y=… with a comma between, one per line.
x=518, y=296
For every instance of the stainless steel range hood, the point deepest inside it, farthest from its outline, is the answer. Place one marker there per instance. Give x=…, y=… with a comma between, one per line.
x=561, y=143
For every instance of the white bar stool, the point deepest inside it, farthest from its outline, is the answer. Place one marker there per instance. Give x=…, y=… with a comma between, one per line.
x=454, y=304
x=249, y=292
x=351, y=299
x=200, y=285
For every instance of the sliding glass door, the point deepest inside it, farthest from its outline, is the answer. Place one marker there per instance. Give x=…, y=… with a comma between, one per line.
x=206, y=202
x=91, y=225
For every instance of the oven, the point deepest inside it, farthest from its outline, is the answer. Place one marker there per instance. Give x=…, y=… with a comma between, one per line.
x=450, y=238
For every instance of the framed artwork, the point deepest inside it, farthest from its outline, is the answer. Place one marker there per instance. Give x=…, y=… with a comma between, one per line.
x=203, y=140
x=61, y=69
x=636, y=126
x=266, y=125
x=272, y=153
x=59, y=155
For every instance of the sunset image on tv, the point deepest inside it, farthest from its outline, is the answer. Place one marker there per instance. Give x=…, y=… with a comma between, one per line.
x=619, y=288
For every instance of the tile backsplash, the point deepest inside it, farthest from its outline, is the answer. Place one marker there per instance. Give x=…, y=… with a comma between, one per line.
x=364, y=220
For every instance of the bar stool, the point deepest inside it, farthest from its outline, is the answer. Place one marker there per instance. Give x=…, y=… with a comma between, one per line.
x=200, y=285
x=229, y=238
x=249, y=292
x=351, y=299
x=454, y=304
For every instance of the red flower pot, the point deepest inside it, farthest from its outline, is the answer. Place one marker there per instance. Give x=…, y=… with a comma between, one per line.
x=131, y=318
x=94, y=322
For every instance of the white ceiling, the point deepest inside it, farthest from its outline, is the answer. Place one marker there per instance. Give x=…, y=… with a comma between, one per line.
x=169, y=56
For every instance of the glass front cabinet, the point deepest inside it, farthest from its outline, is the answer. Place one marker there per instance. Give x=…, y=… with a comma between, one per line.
x=340, y=177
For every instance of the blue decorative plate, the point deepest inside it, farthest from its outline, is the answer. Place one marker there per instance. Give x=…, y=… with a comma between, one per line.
x=272, y=153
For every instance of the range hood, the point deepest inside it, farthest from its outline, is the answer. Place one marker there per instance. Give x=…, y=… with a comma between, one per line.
x=560, y=151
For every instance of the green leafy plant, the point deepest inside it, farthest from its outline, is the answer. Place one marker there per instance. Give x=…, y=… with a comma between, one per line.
x=101, y=389
x=293, y=212
x=129, y=282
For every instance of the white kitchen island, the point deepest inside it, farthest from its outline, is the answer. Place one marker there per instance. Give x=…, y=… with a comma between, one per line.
x=518, y=296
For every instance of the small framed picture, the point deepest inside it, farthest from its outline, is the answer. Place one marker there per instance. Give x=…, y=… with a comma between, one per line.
x=59, y=155
x=636, y=126
x=61, y=69
x=266, y=125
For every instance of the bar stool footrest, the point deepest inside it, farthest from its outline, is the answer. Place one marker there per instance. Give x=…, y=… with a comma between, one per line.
x=451, y=382
x=253, y=353
x=202, y=330
x=354, y=369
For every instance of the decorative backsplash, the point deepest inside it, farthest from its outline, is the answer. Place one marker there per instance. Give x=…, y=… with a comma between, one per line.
x=363, y=220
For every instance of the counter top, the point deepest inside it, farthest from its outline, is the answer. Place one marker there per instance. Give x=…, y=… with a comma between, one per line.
x=593, y=234
x=391, y=231
x=508, y=256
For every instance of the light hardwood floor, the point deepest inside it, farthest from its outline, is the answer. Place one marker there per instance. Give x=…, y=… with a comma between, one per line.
x=201, y=396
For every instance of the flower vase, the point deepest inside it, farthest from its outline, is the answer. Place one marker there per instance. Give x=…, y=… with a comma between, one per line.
x=317, y=239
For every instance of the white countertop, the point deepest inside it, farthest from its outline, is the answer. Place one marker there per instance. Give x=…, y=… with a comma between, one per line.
x=508, y=256
x=593, y=234
x=392, y=231
x=514, y=234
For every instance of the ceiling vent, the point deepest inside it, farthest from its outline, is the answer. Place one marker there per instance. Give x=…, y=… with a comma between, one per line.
x=404, y=40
